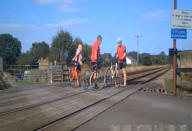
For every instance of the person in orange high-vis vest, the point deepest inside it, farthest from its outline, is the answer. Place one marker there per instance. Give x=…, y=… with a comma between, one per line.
x=121, y=56
x=94, y=57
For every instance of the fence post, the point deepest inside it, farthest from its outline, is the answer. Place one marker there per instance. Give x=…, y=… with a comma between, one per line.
x=1, y=64
x=51, y=73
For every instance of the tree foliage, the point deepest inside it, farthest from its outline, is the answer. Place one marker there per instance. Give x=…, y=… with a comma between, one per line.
x=146, y=59
x=161, y=59
x=10, y=49
x=62, y=43
x=86, y=53
x=133, y=54
x=64, y=47
x=37, y=51
x=25, y=59
x=106, y=59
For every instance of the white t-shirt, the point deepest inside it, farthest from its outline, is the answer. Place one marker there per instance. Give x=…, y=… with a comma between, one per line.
x=79, y=56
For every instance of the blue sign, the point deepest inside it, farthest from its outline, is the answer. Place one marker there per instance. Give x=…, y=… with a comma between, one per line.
x=178, y=33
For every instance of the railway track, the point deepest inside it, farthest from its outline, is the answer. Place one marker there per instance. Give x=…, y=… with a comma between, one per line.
x=58, y=97
x=67, y=107
x=64, y=123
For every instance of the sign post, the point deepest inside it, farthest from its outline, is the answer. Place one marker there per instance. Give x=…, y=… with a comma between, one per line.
x=181, y=21
x=174, y=59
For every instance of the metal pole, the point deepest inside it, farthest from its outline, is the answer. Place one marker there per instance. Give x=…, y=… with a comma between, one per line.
x=137, y=37
x=51, y=74
x=137, y=49
x=174, y=59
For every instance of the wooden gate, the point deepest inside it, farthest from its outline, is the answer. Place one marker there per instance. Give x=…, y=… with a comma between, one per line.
x=60, y=73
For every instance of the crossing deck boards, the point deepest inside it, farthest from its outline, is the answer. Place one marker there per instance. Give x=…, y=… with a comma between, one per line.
x=25, y=100
x=38, y=116
x=76, y=120
x=68, y=113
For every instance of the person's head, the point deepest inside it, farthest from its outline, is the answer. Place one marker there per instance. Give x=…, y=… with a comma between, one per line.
x=119, y=41
x=99, y=37
x=80, y=47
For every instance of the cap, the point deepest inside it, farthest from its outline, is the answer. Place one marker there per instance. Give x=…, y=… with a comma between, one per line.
x=119, y=40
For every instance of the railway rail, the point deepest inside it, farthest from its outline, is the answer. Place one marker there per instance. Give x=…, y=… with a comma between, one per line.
x=47, y=99
x=49, y=114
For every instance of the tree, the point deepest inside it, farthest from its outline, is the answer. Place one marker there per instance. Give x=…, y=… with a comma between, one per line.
x=77, y=41
x=146, y=59
x=163, y=58
x=10, y=49
x=86, y=53
x=133, y=54
x=39, y=50
x=106, y=59
x=62, y=42
x=25, y=59
x=155, y=60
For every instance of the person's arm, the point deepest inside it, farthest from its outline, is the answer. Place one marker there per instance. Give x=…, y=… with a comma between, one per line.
x=124, y=53
x=77, y=53
x=97, y=52
x=74, y=57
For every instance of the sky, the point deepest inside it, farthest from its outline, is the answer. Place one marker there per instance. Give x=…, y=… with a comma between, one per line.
x=40, y=20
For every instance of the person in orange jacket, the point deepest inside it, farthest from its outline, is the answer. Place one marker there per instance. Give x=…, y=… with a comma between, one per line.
x=94, y=57
x=121, y=56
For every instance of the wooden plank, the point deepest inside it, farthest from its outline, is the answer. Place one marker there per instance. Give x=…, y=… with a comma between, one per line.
x=77, y=119
x=41, y=115
x=42, y=99
x=32, y=94
x=22, y=92
x=33, y=118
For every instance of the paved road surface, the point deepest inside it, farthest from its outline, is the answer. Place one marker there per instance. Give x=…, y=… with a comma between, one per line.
x=145, y=112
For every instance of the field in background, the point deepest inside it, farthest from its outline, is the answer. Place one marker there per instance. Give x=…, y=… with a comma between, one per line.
x=128, y=69
x=38, y=77
x=139, y=68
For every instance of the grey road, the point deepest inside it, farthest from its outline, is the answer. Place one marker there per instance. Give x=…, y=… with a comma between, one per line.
x=145, y=112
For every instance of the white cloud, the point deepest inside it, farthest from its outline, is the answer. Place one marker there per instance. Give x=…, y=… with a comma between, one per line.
x=63, y=5
x=44, y=1
x=64, y=24
x=156, y=15
x=55, y=1
x=67, y=8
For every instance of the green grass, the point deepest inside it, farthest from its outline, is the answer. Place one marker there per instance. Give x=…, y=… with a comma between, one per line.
x=168, y=85
x=182, y=91
x=25, y=83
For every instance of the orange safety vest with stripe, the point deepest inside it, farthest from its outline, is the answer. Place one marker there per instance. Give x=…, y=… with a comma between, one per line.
x=121, y=50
